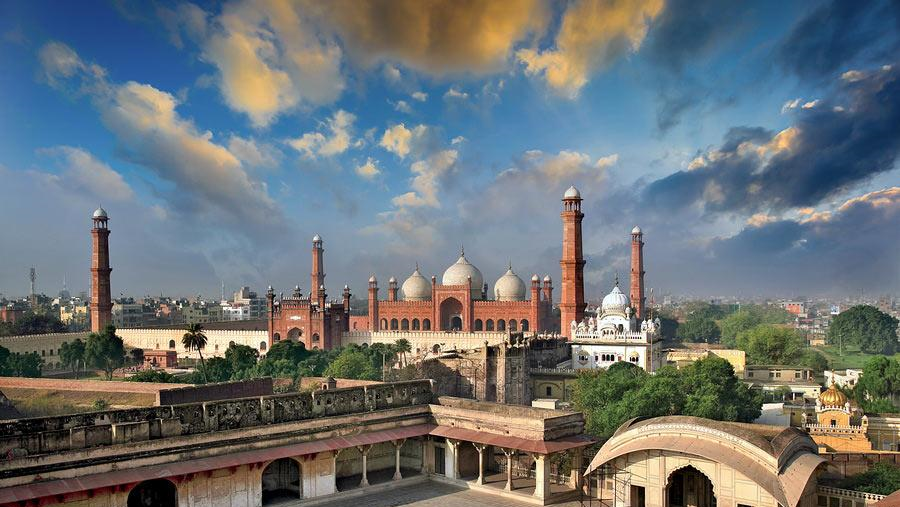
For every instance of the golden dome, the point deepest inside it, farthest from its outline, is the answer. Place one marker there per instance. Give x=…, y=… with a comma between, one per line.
x=832, y=397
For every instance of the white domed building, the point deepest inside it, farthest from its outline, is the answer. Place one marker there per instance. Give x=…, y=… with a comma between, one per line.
x=461, y=302
x=614, y=335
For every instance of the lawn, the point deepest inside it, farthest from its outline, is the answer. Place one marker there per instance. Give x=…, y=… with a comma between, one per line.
x=851, y=358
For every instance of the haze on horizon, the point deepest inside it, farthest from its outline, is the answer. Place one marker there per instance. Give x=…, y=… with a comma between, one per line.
x=755, y=144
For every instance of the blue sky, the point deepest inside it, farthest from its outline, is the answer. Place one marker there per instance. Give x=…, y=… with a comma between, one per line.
x=754, y=143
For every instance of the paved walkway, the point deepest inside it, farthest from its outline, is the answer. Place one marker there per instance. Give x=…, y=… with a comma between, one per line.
x=430, y=494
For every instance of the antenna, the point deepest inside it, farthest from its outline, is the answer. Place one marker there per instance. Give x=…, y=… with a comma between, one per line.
x=32, y=274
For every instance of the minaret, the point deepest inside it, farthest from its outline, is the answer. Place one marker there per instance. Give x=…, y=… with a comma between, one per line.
x=374, y=323
x=571, y=302
x=637, y=273
x=317, y=277
x=392, y=289
x=101, y=301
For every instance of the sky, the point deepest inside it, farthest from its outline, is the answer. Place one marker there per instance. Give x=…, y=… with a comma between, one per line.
x=755, y=143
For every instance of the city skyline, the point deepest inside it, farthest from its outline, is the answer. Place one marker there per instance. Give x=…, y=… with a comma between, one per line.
x=758, y=156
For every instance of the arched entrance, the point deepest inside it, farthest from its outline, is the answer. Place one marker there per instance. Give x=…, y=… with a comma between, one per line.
x=155, y=493
x=451, y=314
x=688, y=487
x=281, y=480
x=294, y=334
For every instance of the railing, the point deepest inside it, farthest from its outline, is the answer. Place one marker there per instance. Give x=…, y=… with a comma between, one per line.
x=836, y=429
x=849, y=493
x=528, y=473
x=551, y=371
x=628, y=336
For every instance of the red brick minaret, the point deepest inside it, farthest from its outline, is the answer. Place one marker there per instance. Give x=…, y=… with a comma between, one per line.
x=317, y=277
x=101, y=301
x=637, y=273
x=374, y=323
x=571, y=302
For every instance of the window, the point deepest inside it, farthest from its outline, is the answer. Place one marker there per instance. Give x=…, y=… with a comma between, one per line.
x=262, y=345
x=749, y=374
x=394, y=324
x=549, y=391
x=501, y=325
x=634, y=358
x=777, y=374
x=384, y=324
x=426, y=325
x=404, y=324
x=315, y=337
x=638, y=498
x=478, y=325
x=415, y=325
x=513, y=325
x=607, y=358
x=489, y=326
x=277, y=337
x=796, y=374
x=524, y=325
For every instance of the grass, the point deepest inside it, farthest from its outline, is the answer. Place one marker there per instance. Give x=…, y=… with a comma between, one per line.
x=851, y=358
x=49, y=402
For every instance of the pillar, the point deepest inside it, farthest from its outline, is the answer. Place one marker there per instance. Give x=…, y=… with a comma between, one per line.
x=576, y=481
x=364, y=450
x=541, y=476
x=397, y=445
x=101, y=292
x=637, y=273
x=428, y=456
x=571, y=303
x=317, y=275
x=509, y=468
x=453, y=455
x=480, y=448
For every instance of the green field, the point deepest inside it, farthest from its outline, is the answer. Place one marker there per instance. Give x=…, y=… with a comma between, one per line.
x=851, y=358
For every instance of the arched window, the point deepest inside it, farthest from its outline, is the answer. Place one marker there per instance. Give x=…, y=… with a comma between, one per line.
x=478, y=325
x=416, y=325
x=513, y=325
x=294, y=334
x=157, y=492
x=217, y=347
x=171, y=344
x=277, y=337
x=501, y=325
x=489, y=325
x=524, y=325
x=315, y=338
x=384, y=324
x=426, y=324
x=394, y=324
x=281, y=480
x=404, y=324
x=436, y=348
x=549, y=391
x=262, y=345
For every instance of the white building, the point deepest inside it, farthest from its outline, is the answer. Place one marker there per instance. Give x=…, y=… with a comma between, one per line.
x=616, y=335
x=843, y=378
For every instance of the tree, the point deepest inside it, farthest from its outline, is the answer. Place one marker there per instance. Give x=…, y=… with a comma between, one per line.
x=878, y=389
x=714, y=392
x=866, y=327
x=137, y=356
x=288, y=350
x=4, y=362
x=353, y=364
x=25, y=365
x=105, y=351
x=699, y=330
x=240, y=358
x=882, y=479
x=403, y=347
x=194, y=338
x=220, y=369
x=766, y=344
x=72, y=355
x=157, y=376
x=33, y=323
x=668, y=326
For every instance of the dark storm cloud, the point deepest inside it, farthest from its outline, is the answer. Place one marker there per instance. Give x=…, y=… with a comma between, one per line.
x=841, y=33
x=835, y=143
x=681, y=39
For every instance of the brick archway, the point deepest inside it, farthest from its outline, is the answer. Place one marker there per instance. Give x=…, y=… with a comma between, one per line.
x=451, y=314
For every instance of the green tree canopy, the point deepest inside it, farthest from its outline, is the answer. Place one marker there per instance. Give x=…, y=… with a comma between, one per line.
x=699, y=330
x=765, y=344
x=220, y=369
x=706, y=388
x=105, y=351
x=882, y=479
x=33, y=323
x=288, y=350
x=158, y=376
x=25, y=365
x=241, y=357
x=878, y=389
x=195, y=339
x=353, y=364
x=72, y=355
x=866, y=327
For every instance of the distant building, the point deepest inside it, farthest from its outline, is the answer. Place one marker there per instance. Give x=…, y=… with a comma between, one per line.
x=843, y=378
x=797, y=308
x=11, y=313
x=255, y=306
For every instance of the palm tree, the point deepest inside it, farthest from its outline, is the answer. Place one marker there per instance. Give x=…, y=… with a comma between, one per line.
x=194, y=338
x=403, y=347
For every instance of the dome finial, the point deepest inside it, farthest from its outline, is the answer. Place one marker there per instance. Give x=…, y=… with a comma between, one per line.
x=617, y=278
x=510, y=264
x=462, y=250
x=417, y=265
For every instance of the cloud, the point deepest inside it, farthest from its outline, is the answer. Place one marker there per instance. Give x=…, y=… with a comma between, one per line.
x=426, y=180
x=420, y=96
x=454, y=93
x=270, y=58
x=399, y=140
x=593, y=34
x=209, y=181
x=439, y=37
x=253, y=153
x=402, y=106
x=338, y=139
x=839, y=34
x=83, y=172
x=369, y=170
x=834, y=144
x=457, y=140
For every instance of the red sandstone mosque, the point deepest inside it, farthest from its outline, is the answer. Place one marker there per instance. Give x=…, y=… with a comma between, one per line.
x=458, y=302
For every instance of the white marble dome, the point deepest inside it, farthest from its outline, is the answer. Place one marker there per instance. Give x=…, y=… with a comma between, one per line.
x=636, y=230
x=615, y=301
x=509, y=287
x=416, y=287
x=100, y=213
x=572, y=193
x=459, y=273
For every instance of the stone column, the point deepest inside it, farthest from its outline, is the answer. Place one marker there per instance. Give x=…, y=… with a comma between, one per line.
x=364, y=450
x=509, y=468
x=397, y=445
x=480, y=448
x=453, y=453
x=542, y=476
x=576, y=481
x=427, y=455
